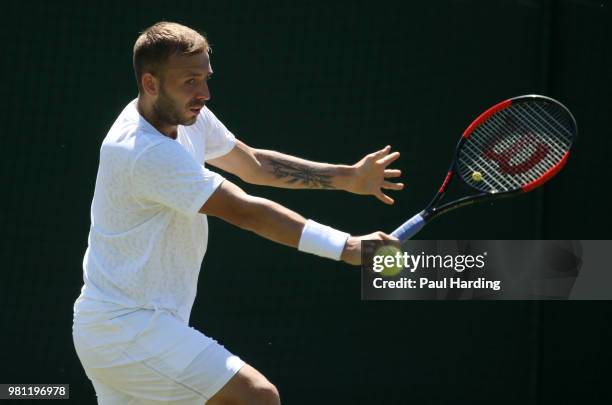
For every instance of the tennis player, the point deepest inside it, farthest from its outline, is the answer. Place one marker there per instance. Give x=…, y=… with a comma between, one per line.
x=149, y=231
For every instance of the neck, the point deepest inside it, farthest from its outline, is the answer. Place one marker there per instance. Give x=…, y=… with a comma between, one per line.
x=148, y=113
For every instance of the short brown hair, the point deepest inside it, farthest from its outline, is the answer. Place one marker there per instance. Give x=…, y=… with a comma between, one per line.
x=161, y=40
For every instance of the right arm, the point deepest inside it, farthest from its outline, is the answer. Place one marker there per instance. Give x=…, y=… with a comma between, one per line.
x=271, y=220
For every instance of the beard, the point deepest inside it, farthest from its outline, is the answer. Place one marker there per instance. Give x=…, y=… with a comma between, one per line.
x=169, y=112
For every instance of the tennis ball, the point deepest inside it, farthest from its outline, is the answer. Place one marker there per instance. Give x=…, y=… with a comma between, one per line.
x=477, y=176
x=389, y=250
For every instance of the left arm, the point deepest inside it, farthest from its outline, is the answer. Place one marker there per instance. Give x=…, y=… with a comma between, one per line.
x=270, y=168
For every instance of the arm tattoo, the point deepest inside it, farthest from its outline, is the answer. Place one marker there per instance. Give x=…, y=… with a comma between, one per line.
x=297, y=173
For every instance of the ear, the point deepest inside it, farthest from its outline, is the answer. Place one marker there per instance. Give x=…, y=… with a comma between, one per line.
x=150, y=84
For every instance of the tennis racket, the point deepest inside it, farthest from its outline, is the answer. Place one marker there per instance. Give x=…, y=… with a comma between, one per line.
x=512, y=148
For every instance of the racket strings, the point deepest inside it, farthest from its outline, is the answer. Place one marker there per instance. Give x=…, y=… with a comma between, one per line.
x=487, y=165
x=510, y=151
x=515, y=146
x=475, y=163
x=544, y=123
x=521, y=154
x=550, y=159
x=516, y=179
x=549, y=121
x=557, y=119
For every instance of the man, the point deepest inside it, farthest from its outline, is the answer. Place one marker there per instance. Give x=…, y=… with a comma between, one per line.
x=149, y=232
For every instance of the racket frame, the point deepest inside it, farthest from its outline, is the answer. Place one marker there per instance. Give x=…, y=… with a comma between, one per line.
x=430, y=212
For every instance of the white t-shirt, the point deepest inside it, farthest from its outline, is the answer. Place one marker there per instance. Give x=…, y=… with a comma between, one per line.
x=147, y=240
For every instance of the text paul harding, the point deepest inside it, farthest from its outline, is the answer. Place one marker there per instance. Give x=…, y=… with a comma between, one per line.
x=392, y=264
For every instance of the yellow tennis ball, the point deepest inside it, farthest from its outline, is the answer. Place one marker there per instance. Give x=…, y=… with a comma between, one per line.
x=477, y=176
x=389, y=250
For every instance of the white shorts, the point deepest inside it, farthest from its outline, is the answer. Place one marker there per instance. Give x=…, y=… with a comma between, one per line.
x=151, y=357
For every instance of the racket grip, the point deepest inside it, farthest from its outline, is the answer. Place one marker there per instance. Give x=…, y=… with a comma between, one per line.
x=409, y=228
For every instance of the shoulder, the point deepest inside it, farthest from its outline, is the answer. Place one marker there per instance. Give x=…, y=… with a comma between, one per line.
x=208, y=118
x=131, y=134
x=206, y=114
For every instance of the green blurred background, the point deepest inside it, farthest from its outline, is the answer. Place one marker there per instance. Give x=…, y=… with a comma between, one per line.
x=328, y=81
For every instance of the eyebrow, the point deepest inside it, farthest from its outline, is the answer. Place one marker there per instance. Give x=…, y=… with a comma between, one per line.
x=191, y=73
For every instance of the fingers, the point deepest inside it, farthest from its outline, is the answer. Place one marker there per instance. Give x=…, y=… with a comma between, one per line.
x=387, y=160
x=384, y=236
x=392, y=173
x=378, y=235
x=392, y=186
x=384, y=198
x=382, y=152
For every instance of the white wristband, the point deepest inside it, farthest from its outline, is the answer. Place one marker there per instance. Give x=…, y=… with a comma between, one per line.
x=322, y=240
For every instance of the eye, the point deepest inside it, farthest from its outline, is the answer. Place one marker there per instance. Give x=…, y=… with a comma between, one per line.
x=190, y=81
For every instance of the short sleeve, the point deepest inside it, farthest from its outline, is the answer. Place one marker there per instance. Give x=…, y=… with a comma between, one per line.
x=167, y=174
x=218, y=139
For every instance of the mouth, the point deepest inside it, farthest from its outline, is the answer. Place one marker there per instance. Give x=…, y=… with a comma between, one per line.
x=196, y=109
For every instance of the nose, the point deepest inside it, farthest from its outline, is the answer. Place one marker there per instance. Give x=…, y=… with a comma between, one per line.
x=203, y=92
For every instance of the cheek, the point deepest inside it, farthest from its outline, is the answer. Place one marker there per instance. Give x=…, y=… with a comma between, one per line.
x=178, y=98
x=184, y=95
x=176, y=92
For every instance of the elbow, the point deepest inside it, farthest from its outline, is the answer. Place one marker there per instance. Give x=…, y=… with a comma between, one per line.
x=236, y=207
x=250, y=177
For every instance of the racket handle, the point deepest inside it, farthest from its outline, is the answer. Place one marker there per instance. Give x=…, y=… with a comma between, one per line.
x=409, y=228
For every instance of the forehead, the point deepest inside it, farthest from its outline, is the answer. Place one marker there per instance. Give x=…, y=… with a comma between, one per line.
x=181, y=64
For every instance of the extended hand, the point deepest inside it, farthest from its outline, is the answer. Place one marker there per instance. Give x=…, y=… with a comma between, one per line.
x=371, y=172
